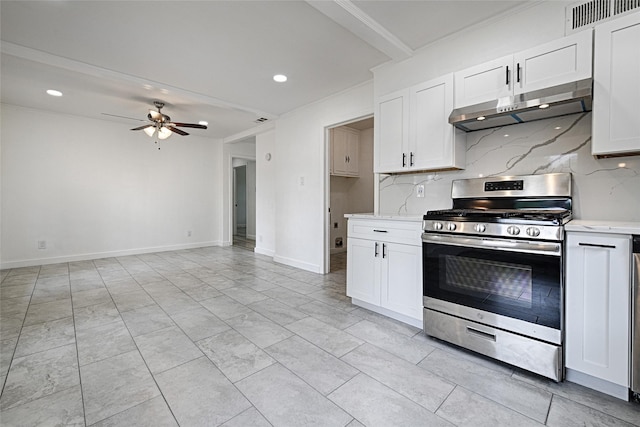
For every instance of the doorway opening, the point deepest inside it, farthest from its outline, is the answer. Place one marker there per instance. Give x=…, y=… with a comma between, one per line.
x=244, y=203
x=350, y=185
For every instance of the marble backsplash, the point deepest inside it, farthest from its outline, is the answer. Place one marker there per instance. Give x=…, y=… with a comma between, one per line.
x=606, y=189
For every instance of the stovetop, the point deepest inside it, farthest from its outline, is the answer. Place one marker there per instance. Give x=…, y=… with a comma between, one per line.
x=537, y=216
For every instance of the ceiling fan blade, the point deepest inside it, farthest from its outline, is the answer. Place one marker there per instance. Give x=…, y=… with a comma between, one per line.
x=123, y=117
x=189, y=125
x=176, y=130
x=143, y=127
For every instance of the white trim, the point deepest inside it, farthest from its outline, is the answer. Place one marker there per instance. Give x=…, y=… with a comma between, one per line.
x=108, y=254
x=262, y=251
x=314, y=268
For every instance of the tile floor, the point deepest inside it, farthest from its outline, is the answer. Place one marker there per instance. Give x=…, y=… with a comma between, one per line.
x=221, y=336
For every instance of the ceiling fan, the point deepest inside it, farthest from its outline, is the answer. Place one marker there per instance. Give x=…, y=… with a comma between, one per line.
x=162, y=124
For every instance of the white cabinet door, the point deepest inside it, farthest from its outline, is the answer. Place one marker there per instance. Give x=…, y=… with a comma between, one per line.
x=434, y=144
x=597, y=305
x=353, y=151
x=363, y=270
x=401, y=285
x=616, y=87
x=345, y=150
x=392, y=132
x=484, y=82
x=560, y=61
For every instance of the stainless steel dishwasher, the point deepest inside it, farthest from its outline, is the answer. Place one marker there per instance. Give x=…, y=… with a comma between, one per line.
x=635, y=327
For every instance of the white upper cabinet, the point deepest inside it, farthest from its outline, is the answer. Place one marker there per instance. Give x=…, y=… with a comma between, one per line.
x=344, y=151
x=433, y=142
x=616, y=87
x=484, y=82
x=551, y=64
x=413, y=131
x=391, y=132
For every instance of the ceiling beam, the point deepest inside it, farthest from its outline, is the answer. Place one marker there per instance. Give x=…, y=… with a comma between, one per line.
x=354, y=19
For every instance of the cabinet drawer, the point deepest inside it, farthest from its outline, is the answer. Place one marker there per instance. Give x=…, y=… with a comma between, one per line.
x=405, y=232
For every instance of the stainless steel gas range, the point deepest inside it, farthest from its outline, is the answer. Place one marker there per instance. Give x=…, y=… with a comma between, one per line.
x=493, y=269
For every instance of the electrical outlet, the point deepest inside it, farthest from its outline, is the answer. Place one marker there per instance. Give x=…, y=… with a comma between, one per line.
x=420, y=190
x=42, y=244
x=188, y=233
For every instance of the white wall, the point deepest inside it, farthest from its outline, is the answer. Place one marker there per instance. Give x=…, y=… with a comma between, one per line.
x=92, y=188
x=265, y=193
x=301, y=171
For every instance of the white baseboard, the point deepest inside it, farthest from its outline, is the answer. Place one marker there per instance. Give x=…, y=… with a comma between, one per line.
x=298, y=264
x=263, y=251
x=603, y=386
x=107, y=254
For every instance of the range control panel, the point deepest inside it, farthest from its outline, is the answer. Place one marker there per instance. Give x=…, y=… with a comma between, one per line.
x=504, y=185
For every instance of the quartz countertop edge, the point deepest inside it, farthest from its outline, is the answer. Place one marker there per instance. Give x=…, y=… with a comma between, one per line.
x=602, y=226
x=384, y=217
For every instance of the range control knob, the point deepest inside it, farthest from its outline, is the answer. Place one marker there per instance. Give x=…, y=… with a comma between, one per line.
x=480, y=228
x=451, y=226
x=513, y=230
x=437, y=226
x=533, y=231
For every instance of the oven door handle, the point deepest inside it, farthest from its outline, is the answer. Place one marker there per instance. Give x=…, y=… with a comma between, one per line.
x=525, y=246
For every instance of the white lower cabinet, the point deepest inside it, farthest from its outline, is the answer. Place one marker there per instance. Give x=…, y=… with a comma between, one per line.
x=384, y=268
x=598, y=287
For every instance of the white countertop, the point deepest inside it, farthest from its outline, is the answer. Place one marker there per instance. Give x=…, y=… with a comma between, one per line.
x=599, y=226
x=385, y=217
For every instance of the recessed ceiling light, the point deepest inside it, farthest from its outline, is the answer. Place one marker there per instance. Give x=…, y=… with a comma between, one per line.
x=506, y=135
x=54, y=92
x=543, y=106
x=481, y=118
x=203, y=123
x=280, y=78
x=622, y=165
x=558, y=127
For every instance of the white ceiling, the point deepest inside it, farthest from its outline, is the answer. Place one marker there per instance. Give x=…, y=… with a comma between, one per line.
x=211, y=60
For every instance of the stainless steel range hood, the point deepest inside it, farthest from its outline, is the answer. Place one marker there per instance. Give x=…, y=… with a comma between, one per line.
x=569, y=98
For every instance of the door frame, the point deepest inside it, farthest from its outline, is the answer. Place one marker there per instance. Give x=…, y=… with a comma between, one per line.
x=327, y=187
x=231, y=195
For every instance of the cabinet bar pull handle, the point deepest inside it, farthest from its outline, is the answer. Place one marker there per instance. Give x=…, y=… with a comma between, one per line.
x=411, y=159
x=481, y=334
x=518, y=73
x=507, y=75
x=379, y=231
x=375, y=250
x=404, y=160
x=594, y=245
x=384, y=247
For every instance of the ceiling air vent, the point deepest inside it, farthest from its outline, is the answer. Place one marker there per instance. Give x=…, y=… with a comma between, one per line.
x=261, y=120
x=586, y=14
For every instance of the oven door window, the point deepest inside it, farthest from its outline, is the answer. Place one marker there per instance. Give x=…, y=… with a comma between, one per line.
x=519, y=285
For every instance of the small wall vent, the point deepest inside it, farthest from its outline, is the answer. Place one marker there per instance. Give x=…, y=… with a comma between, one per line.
x=586, y=14
x=264, y=119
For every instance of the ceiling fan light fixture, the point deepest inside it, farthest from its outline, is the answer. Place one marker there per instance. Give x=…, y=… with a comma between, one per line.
x=164, y=133
x=149, y=131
